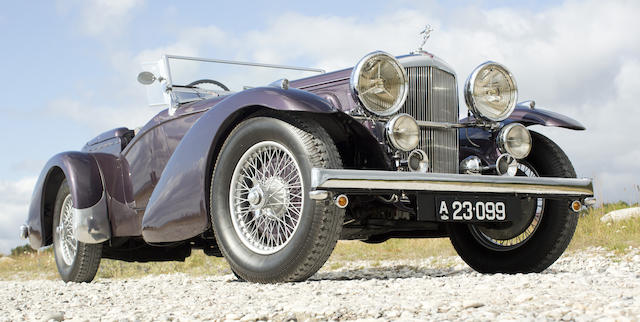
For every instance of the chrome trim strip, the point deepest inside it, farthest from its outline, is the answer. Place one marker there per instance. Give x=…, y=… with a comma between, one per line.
x=395, y=180
x=91, y=225
x=337, y=80
x=423, y=58
x=443, y=125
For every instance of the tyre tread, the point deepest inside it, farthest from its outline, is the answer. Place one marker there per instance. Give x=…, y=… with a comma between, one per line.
x=88, y=256
x=550, y=161
x=322, y=153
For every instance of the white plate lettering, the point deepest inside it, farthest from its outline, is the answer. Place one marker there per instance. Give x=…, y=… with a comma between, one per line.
x=470, y=211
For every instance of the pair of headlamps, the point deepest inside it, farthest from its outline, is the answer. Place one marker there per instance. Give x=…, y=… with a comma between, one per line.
x=379, y=82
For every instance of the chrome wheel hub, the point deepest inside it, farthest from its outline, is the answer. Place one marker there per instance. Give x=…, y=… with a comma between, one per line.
x=256, y=197
x=508, y=239
x=66, y=241
x=266, y=197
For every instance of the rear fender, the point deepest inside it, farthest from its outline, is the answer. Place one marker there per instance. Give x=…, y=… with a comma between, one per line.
x=89, y=205
x=177, y=208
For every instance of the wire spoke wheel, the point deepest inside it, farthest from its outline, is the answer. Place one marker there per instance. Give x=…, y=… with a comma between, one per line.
x=512, y=238
x=64, y=232
x=265, y=224
x=76, y=261
x=266, y=198
x=539, y=231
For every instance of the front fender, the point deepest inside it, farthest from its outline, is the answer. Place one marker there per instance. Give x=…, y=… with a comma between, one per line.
x=85, y=185
x=177, y=208
x=528, y=117
x=482, y=143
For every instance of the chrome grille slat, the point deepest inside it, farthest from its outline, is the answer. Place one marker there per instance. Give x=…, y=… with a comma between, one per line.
x=433, y=97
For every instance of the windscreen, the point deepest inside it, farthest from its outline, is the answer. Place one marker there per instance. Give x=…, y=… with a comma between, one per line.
x=215, y=75
x=228, y=75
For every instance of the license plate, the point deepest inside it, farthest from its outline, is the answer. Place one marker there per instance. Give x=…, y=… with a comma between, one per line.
x=471, y=210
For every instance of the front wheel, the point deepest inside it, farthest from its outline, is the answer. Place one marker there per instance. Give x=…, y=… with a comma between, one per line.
x=538, y=238
x=266, y=226
x=76, y=261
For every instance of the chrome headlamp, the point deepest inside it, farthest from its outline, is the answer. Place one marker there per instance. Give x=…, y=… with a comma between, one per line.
x=403, y=132
x=515, y=139
x=491, y=92
x=379, y=83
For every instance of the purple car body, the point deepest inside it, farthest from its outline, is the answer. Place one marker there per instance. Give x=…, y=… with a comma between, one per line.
x=150, y=189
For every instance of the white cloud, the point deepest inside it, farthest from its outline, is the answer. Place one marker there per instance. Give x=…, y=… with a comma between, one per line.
x=101, y=17
x=106, y=15
x=14, y=206
x=103, y=117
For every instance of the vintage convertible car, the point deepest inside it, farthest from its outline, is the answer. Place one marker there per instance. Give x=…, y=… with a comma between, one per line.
x=271, y=177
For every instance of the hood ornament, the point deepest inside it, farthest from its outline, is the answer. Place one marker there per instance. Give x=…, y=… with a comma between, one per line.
x=426, y=33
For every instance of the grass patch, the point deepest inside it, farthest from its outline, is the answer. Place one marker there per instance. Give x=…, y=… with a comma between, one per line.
x=197, y=264
x=614, y=236
x=393, y=249
x=43, y=266
x=591, y=232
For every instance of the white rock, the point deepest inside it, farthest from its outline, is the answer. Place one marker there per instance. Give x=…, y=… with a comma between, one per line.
x=621, y=214
x=406, y=315
x=472, y=304
x=55, y=316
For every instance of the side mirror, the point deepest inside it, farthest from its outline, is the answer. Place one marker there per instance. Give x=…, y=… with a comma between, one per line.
x=146, y=78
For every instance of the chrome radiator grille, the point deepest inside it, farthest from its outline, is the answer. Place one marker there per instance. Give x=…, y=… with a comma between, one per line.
x=433, y=97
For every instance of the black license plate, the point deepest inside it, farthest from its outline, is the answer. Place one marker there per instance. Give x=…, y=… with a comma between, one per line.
x=472, y=209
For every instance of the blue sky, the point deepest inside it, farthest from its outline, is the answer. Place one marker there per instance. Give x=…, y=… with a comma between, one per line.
x=69, y=67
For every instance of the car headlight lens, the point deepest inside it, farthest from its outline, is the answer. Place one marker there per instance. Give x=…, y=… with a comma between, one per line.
x=491, y=92
x=515, y=139
x=403, y=132
x=380, y=83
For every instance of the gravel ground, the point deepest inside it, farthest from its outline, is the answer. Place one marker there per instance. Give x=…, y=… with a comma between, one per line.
x=586, y=285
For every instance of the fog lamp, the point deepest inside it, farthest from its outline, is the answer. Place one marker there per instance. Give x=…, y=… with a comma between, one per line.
x=403, y=132
x=515, y=139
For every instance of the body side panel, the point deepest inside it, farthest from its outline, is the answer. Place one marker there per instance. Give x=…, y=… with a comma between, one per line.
x=124, y=220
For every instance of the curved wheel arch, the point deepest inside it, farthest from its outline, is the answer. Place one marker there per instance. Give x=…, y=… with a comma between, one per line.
x=85, y=182
x=160, y=222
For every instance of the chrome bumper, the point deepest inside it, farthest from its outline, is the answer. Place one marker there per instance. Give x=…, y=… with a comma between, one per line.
x=339, y=179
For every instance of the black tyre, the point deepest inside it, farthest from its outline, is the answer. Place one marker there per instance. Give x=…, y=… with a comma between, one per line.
x=534, y=243
x=266, y=226
x=76, y=261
